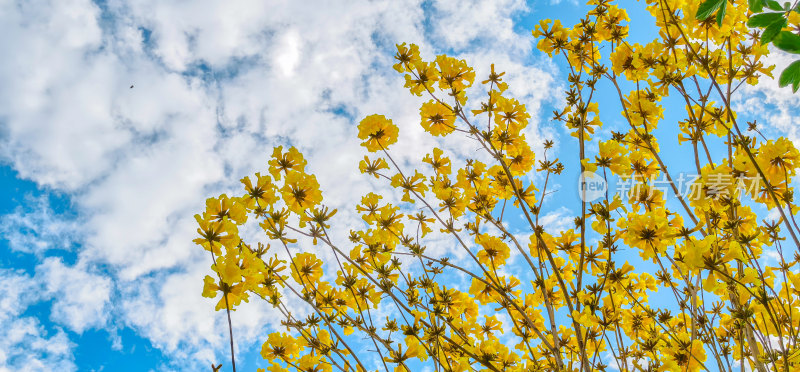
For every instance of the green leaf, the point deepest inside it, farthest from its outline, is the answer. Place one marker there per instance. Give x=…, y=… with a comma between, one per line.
x=764, y=19
x=721, y=13
x=772, y=4
x=772, y=30
x=707, y=8
x=756, y=6
x=791, y=75
x=787, y=42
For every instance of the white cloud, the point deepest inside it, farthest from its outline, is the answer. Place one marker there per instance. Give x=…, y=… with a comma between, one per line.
x=25, y=344
x=37, y=228
x=47, y=83
x=80, y=299
x=773, y=106
x=289, y=55
x=461, y=23
x=557, y=221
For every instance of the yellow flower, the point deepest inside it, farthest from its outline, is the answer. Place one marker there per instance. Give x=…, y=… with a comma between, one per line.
x=414, y=184
x=440, y=164
x=306, y=268
x=216, y=233
x=520, y=159
x=219, y=208
x=694, y=251
x=378, y=132
x=555, y=38
x=372, y=166
x=495, y=252
x=210, y=287
x=437, y=119
x=301, y=192
x=588, y=166
x=282, y=346
x=312, y=363
x=274, y=367
x=291, y=160
x=495, y=78
x=649, y=232
x=454, y=73
x=778, y=160
x=423, y=222
x=415, y=348
x=642, y=110
x=481, y=292
x=230, y=284
x=425, y=75
x=406, y=57
x=369, y=205
x=510, y=114
x=490, y=328
x=262, y=194
x=235, y=294
x=642, y=165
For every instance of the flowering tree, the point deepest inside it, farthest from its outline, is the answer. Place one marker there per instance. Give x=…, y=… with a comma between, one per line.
x=700, y=298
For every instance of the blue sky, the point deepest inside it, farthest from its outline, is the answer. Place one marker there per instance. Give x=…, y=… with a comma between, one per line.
x=99, y=181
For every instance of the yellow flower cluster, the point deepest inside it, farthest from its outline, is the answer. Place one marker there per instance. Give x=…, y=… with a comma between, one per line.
x=714, y=286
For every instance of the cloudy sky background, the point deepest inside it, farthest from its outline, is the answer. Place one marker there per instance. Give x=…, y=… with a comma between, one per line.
x=100, y=181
